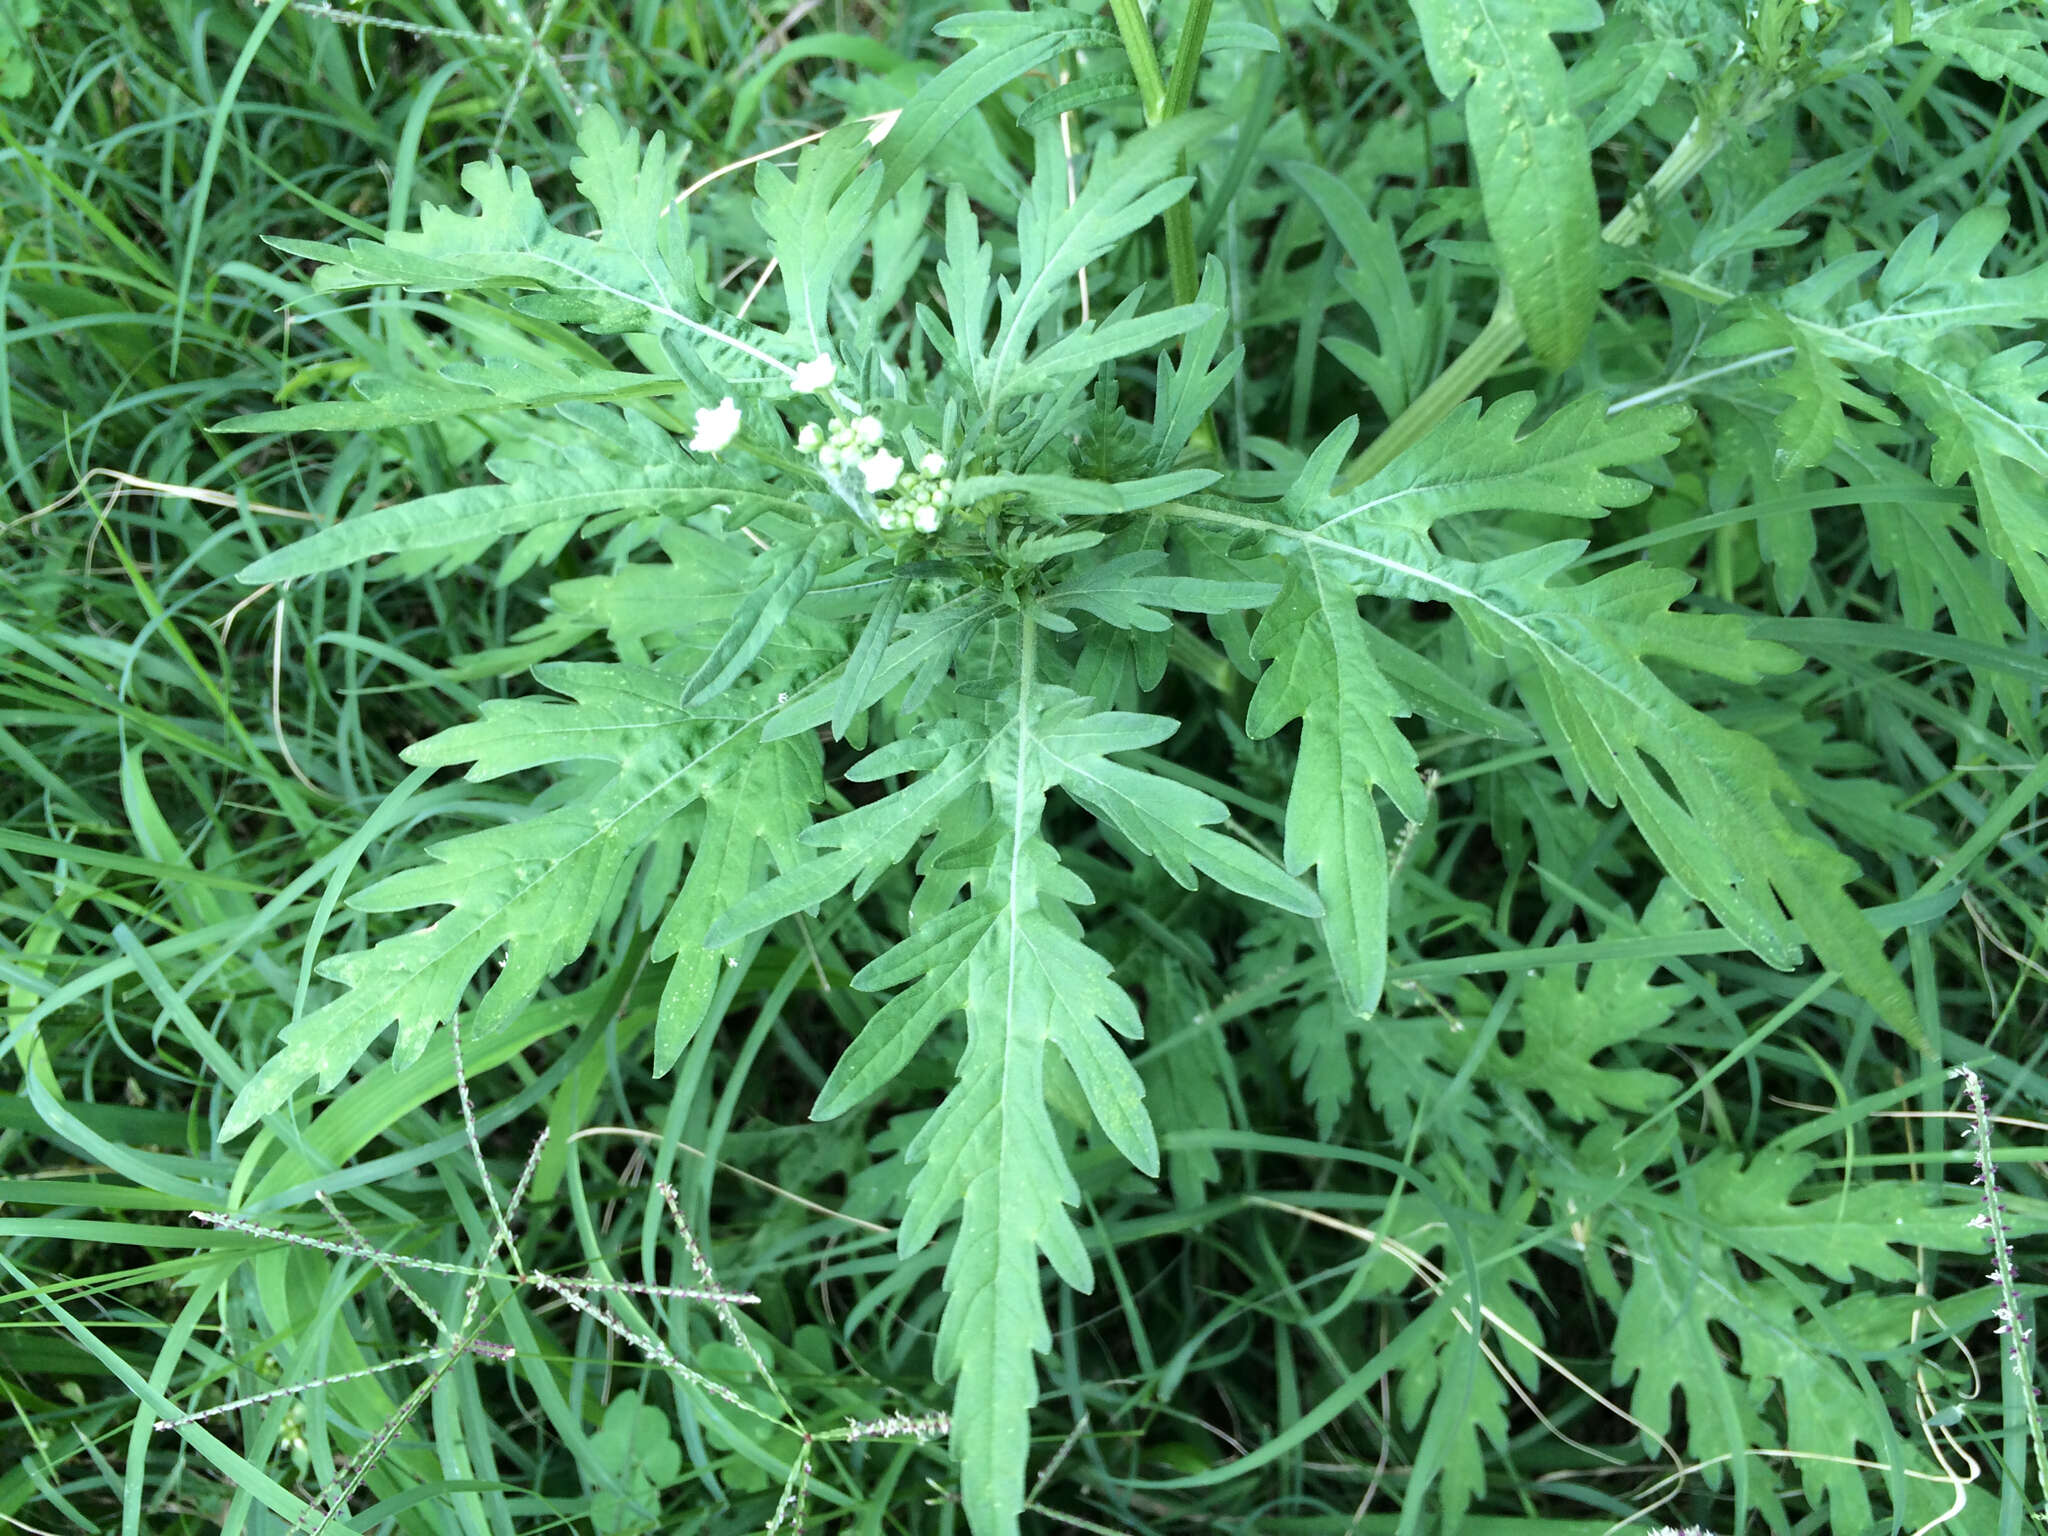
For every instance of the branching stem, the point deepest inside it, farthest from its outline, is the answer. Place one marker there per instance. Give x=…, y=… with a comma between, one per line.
x=1502, y=335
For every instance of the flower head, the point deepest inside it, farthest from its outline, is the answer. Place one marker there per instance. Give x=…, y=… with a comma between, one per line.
x=808, y=438
x=867, y=431
x=881, y=469
x=932, y=465
x=716, y=426
x=815, y=375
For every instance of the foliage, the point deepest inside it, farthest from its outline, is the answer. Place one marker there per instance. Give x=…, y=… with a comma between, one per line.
x=1263, y=907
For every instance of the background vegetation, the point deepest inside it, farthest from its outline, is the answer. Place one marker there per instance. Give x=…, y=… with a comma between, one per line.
x=1599, y=1220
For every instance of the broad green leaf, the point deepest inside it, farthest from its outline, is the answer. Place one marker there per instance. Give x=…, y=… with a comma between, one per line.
x=533, y=888
x=1323, y=674
x=1996, y=47
x=1124, y=592
x=760, y=613
x=1664, y=1341
x=1840, y=1231
x=1710, y=801
x=1927, y=335
x=1444, y=1386
x=1481, y=461
x=1166, y=820
x=1090, y=344
x=1377, y=280
x=1100, y=87
x=991, y=1148
x=638, y=277
x=861, y=844
x=1535, y=171
x=635, y=1461
x=1190, y=384
x=762, y=808
x=582, y=477
x=816, y=223
x=16, y=18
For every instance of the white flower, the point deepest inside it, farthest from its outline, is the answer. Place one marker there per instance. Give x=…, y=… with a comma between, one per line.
x=881, y=470
x=932, y=465
x=867, y=431
x=716, y=425
x=925, y=519
x=890, y=520
x=808, y=437
x=815, y=375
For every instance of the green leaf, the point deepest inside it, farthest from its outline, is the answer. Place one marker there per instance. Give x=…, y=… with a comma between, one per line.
x=1088, y=345
x=544, y=485
x=816, y=223
x=991, y=1148
x=633, y=1461
x=1710, y=801
x=1535, y=171
x=1007, y=46
x=759, y=809
x=1165, y=819
x=17, y=18
x=1926, y=334
x=1323, y=674
x=534, y=888
x=1190, y=384
x=862, y=844
x=1125, y=191
x=1124, y=592
x=1563, y=1026
x=1100, y=87
x=460, y=389
x=1377, y=281
x=2007, y=47
x=1843, y=1229
x=761, y=612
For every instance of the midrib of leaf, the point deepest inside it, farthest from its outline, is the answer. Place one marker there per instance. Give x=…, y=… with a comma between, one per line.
x=1016, y=1044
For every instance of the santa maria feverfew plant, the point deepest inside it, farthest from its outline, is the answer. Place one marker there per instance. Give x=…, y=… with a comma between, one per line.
x=1113, y=563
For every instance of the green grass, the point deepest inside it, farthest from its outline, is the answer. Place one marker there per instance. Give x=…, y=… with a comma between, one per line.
x=194, y=774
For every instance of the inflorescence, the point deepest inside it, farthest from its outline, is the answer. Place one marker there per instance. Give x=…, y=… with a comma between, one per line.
x=849, y=451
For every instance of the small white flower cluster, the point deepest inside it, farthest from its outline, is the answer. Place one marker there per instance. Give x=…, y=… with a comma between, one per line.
x=853, y=445
x=716, y=426
x=921, y=493
x=921, y=498
x=846, y=449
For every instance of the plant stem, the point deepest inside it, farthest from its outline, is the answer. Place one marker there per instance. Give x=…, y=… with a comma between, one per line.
x=1164, y=100
x=1137, y=36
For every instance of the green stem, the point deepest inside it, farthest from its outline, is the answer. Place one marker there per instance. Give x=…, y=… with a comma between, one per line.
x=1130, y=24
x=1164, y=100
x=1187, y=60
